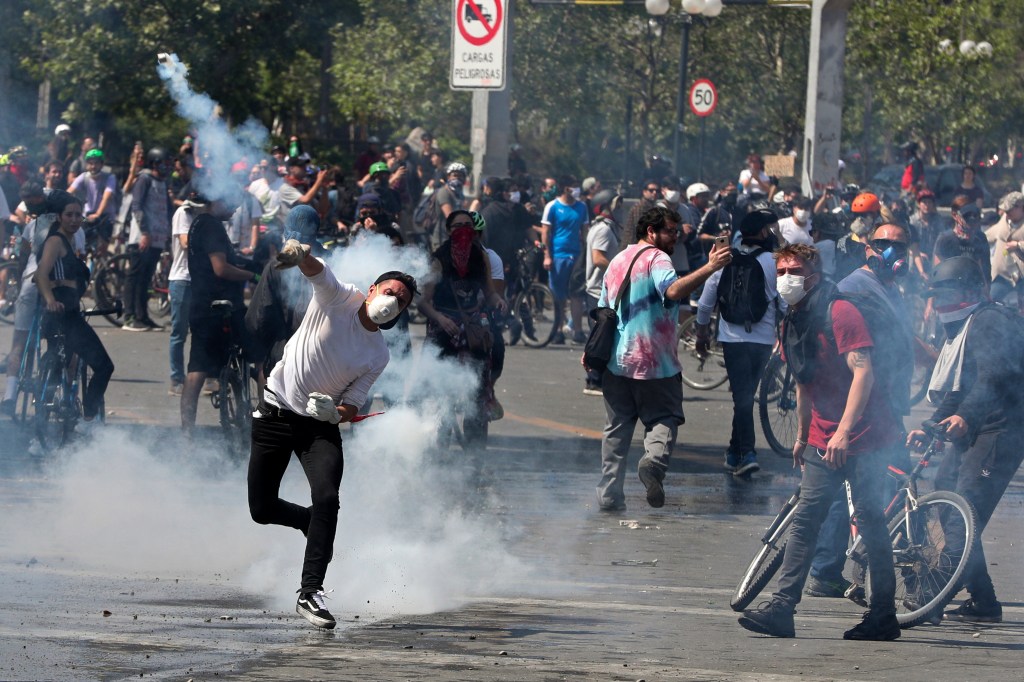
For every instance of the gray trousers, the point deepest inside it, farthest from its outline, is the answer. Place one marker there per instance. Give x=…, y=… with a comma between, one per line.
x=658, y=405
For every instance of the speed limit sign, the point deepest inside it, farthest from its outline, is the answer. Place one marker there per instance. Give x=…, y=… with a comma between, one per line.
x=703, y=97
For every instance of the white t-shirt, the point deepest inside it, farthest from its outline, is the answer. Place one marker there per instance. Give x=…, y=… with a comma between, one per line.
x=794, y=234
x=601, y=237
x=331, y=352
x=180, y=222
x=497, y=267
x=745, y=183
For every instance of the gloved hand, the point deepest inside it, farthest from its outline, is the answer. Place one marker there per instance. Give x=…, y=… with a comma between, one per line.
x=703, y=341
x=321, y=406
x=291, y=254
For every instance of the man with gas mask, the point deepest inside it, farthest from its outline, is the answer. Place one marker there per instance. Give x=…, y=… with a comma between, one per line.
x=874, y=289
x=844, y=415
x=976, y=389
x=325, y=374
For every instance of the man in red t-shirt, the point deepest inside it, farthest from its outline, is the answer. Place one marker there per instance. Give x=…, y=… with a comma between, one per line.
x=845, y=418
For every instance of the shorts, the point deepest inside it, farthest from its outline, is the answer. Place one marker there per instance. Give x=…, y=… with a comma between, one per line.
x=559, y=276
x=578, y=279
x=210, y=342
x=25, y=308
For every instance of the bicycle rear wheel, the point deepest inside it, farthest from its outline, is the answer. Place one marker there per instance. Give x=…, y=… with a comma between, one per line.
x=10, y=287
x=235, y=409
x=534, y=308
x=109, y=284
x=700, y=372
x=766, y=563
x=776, y=405
x=931, y=546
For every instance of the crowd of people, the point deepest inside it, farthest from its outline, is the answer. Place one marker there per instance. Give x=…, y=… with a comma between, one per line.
x=835, y=278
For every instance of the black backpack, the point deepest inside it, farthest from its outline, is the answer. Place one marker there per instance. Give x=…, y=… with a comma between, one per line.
x=741, y=291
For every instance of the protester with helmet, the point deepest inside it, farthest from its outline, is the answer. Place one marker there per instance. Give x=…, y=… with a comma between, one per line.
x=379, y=183
x=455, y=298
x=448, y=197
x=150, y=230
x=867, y=215
x=976, y=387
x=97, y=189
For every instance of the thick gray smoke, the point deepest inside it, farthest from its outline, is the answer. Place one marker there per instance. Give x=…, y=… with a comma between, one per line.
x=218, y=147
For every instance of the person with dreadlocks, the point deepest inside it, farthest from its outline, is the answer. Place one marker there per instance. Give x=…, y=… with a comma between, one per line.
x=455, y=300
x=844, y=416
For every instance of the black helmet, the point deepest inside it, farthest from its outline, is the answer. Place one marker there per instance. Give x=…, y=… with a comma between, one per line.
x=156, y=156
x=959, y=272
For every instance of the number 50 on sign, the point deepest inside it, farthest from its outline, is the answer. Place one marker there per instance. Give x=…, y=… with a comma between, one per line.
x=703, y=97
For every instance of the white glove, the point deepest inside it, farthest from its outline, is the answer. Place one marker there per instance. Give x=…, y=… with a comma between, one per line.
x=291, y=254
x=321, y=406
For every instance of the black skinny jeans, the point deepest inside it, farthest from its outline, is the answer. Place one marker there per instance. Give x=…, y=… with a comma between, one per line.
x=276, y=434
x=141, y=266
x=981, y=474
x=744, y=363
x=81, y=339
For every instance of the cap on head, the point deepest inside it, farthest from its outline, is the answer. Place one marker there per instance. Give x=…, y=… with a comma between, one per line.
x=866, y=202
x=755, y=221
x=1011, y=201
x=697, y=188
x=408, y=280
x=959, y=272
x=588, y=184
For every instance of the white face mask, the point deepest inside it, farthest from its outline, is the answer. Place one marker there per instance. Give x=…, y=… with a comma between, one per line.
x=576, y=193
x=802, y=215
x=671, y=196
x=791, y=288
x=383, y=308
x=514, y=197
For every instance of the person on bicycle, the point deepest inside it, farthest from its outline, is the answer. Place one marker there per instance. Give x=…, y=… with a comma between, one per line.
x=747, y=302
x=976, y=387
x=457, y=296
x=325, y=374
x=62, y=278
x=643, y=380
x=845, y=416
x=216, y=274
x=99, y=189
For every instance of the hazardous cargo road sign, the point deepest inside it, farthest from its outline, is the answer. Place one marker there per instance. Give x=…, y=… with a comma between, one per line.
x=478, y=44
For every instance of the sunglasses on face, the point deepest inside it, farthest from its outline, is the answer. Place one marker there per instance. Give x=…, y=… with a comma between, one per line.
x=881, y=245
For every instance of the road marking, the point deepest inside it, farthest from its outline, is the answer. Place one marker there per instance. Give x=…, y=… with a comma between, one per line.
x=555, y=426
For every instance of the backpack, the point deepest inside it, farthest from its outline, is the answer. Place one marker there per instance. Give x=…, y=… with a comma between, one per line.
x=426, y=213
x=741, y=291
x=893, y=367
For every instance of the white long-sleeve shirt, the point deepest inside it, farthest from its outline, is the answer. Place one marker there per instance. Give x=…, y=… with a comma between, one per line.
x=762, y=331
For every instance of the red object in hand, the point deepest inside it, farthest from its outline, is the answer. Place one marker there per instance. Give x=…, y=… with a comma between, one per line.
x=361, y=417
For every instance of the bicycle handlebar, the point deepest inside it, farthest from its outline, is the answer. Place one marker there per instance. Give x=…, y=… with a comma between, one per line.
x=116, y=310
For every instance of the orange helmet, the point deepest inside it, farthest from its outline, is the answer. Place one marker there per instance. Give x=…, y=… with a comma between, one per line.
x=866, y=203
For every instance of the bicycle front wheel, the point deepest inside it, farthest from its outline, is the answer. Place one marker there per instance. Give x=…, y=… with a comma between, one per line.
x=52, y=426
x=534, y=309
x=10, y=287
x=765, y=564
x=776, y=406
x=235, y=410
x=700, y=372
x=931, y=545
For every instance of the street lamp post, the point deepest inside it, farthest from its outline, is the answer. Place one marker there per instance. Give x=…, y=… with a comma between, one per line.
x=969, y=50
x=691, y=8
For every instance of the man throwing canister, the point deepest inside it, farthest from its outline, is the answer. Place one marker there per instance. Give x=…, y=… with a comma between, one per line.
x=325, y=374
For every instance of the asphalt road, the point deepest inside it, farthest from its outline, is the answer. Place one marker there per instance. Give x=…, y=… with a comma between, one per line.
x=132, y=555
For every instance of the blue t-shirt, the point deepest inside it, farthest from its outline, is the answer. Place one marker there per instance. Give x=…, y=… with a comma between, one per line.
x=566, y=224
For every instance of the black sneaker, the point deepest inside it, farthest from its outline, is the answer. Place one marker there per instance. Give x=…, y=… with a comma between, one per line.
x=135, y=326
x=655, y=489
x=875, y=628
x=772, y=618
x=973, y=612
x=558, y=339
x=311, y=606
x=830, y=589
x=152, y=325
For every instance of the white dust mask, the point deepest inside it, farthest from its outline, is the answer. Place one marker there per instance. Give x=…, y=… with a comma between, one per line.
x=791, y=288
x=383, y=309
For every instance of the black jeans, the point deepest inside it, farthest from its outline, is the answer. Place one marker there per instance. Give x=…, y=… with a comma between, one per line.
x=980, y=473
x=81, y=339
x=276, y=434
x=141, y=266
x=817, y=490
x=744, y=363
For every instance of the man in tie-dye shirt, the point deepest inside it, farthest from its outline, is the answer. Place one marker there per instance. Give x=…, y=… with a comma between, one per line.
x=643, y=380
